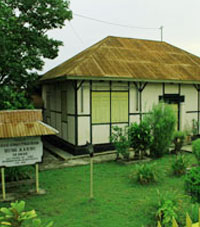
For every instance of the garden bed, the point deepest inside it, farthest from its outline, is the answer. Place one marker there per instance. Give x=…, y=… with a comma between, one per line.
x=134, y=161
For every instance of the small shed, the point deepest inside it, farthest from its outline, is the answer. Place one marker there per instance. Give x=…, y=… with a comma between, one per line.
x=116, y=82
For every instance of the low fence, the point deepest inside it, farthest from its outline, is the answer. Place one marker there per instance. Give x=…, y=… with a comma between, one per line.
x=188, y=222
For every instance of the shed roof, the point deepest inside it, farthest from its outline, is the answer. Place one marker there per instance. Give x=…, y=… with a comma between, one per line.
x=127, y=58
x=21, y=123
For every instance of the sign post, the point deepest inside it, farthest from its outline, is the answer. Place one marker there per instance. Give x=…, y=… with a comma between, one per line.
x=19, y=152
x=3, y=183
x=91, y=178
x=90, y=149
x=37, y=177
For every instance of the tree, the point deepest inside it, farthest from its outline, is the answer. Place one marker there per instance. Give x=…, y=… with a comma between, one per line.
x=24, y=42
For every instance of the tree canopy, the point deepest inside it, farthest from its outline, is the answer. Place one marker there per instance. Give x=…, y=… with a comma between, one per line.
x=24, y=42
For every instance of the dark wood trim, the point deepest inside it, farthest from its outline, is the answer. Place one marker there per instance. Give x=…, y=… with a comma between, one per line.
x=193, y=111
x=118, y=123
x=71, y=115
x=109, y=90
x=140, y=92
x=55, y=111
x=172, y=98
x=108, y=123
x=79, y=115
x=63, y=121
x=140, y=86
x=80, y=85
x=83, y=115
x=163, y=88
x=76, y=150
x=138, y=113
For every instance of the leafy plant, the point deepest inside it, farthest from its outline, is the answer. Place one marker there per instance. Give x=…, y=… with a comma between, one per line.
x=120, y=140
x=192, y=183
x=167, y=208
x=178, y=140
x=195, y=127
x=179, y=166
x=11, y=99
x=145, y=174
x=19, y=173
x=16, y=215
x=196, y=149
x=162, y=119
x=140, y=137
x=193, y=212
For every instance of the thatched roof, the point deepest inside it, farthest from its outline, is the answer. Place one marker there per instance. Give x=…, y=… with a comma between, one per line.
x=130, y=59
x=21, y=123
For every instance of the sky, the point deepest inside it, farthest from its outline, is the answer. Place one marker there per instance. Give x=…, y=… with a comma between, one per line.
x=180, y=19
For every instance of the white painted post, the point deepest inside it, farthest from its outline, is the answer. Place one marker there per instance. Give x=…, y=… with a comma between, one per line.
x=37, y=177
x=3, y=183
x=91, y=178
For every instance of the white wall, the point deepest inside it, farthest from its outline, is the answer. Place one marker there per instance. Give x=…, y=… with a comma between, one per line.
x=101, y=133
x=66, y=128
x=150, y=96
x=171, y=89
x=190, y=104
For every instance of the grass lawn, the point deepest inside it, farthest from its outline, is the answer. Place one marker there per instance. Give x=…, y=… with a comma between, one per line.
x=119, y=201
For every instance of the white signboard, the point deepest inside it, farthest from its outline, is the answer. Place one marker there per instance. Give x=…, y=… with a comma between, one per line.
x=20, y=151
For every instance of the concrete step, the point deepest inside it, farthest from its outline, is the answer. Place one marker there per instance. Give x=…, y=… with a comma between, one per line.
x=63, y=155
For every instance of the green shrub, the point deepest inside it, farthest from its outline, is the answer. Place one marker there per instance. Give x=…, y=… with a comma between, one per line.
x=195, y=127
x=140, y=137
x=192, y=183
x=145, y=174
x=120, y=140
x=178, y=140
x=167, y=208
x=19, y=173
x=16, y=216
x=193, y=212
x=162, y=119
x=179, y=166
x=196, y=149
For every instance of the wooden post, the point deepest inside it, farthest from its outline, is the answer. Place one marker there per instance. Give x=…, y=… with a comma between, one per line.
x=3, y=183
x=91, y=178
x=37, y=177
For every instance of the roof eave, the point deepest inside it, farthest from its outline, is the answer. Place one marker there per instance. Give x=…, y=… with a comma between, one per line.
x=109, y=78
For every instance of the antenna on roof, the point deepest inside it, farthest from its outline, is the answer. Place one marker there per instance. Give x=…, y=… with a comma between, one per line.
x=161, y=31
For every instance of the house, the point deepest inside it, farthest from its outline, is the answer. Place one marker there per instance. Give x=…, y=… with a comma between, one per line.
x=115, y=82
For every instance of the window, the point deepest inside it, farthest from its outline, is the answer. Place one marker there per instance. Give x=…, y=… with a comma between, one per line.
x=64, y=105
x=101, y=107
x=119, y=106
